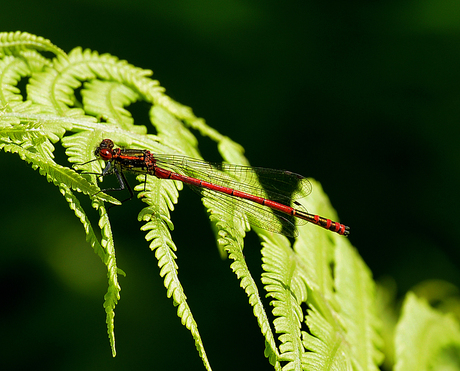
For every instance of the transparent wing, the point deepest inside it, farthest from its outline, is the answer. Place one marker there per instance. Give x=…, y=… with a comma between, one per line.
x=277, y=185
x=258, y=215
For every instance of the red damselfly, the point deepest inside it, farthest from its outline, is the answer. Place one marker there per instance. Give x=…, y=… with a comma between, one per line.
x=267, y=196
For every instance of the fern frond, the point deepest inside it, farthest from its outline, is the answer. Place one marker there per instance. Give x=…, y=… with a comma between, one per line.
x=12, y=70
x=231, y=228
x=16, y=42
x=106, y=99
x=234, y=247
x=168, y=118
x=80, y=147
x=29, y=132
x=337, y=329
x=51, y=126
x=25, y=134
x=173, y=131
x=181, y=112
x=249, y=285
x=113, y=292
x=358, y=316
x=55, y=91
x=283, y=284
x=320, y=283
x=326, y=345
x=231, y=151
x=58, y=174
x=161, y=197
x=54, y=87
x=422, y=334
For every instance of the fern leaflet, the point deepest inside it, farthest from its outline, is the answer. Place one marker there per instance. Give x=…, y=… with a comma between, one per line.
x=78, y=99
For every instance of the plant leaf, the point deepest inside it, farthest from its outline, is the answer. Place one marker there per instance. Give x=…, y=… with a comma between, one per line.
x=321, y=293
x=423, y=334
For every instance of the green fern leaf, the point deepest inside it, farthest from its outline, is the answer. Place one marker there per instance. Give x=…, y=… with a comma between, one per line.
x=113, y=96
x=58, y=174
x=113, y=293
x=422, y=335
x=359, y=316
x=12, y=71
x=337, y=325
x=15, y=42
x=161, y=197
x=288, y=290
x=173, y=131
x=232, y=227
x=328, y=350
x=320, y=284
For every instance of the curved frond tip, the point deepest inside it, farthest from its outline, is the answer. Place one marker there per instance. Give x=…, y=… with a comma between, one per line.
x=14, y=42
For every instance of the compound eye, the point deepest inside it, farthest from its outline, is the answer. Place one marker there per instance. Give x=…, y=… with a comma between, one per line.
x=105, y=154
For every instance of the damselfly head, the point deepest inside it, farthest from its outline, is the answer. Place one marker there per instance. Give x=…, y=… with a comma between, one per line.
x=104, y=150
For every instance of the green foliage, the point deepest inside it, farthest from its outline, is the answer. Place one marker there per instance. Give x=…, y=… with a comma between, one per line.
x=433, y=334
x=322, y=294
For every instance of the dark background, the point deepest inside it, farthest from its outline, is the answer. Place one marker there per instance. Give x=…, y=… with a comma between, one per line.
x=362, y=96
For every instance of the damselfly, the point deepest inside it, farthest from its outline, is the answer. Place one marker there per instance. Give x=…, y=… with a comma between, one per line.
x=267, y=196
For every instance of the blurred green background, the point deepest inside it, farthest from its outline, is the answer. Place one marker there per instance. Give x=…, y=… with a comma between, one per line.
x=362, y=96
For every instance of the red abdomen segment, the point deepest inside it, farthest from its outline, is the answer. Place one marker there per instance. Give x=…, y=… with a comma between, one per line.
x=315, y=219
x=323, y=222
